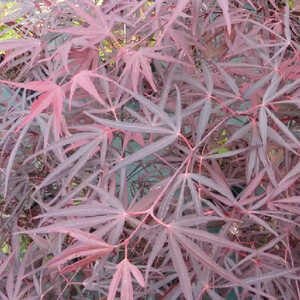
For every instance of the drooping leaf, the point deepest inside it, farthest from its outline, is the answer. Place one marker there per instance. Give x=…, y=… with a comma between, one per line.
x=224, y=4
x=263, y=125
x=180, y=267
x=229, y=80
x=203, y=119
x=158, y=245
x=123, y=274
x=207, y=77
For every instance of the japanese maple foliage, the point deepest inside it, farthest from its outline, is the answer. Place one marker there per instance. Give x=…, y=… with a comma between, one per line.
x=150, y=149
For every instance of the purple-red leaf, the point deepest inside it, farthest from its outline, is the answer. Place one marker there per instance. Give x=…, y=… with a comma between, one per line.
x=225, y=8
x=180, y=268
x=52, y=95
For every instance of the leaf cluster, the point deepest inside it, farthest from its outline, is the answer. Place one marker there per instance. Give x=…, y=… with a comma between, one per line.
x=150, y=150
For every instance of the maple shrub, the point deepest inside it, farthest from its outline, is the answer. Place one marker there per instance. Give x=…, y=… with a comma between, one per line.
x=149, y=149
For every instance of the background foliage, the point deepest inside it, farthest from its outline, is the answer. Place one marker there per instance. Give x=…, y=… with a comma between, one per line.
x=149, y=149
